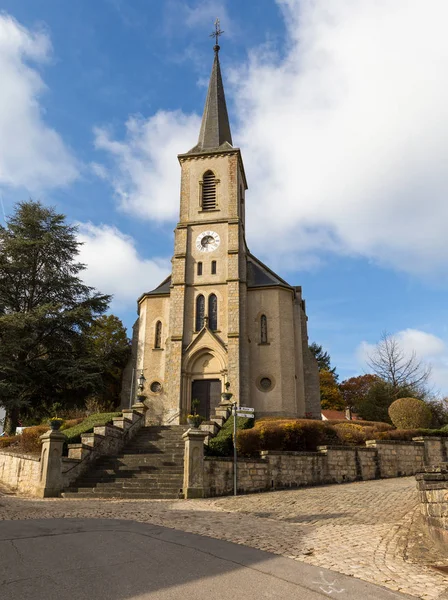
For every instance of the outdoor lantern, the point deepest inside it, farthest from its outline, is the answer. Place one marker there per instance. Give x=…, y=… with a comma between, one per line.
x=141, y=381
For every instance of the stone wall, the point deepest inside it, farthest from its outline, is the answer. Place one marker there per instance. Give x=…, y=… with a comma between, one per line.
x=20, y=472
x=330, y=464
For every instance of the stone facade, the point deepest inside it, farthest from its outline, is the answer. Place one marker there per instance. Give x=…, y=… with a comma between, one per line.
x=272, y=372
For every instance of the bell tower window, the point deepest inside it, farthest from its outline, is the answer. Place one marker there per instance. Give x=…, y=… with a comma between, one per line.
x=200, y=312
x=213, y=267
x=209, y=191
x=213, y=312
x=199, y=268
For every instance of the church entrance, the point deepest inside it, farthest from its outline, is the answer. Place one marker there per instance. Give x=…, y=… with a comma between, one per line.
x=208, y=392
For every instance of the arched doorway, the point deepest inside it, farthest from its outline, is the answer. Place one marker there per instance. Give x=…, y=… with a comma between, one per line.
x=204, y=381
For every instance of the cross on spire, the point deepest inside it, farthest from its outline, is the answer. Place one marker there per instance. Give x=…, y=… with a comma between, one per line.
x=216, y=34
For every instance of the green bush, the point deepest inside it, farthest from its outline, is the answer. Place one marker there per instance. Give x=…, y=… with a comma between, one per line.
x=410, y=413
x=73, y=434
x=286, y=435
x=222, y=443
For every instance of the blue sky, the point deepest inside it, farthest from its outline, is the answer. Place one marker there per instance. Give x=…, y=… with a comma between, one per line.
x=340, y=108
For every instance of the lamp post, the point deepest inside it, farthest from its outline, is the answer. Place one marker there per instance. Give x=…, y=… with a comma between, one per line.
x=141, y=386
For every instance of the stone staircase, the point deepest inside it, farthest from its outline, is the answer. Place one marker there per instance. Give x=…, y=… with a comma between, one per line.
x=150, y=466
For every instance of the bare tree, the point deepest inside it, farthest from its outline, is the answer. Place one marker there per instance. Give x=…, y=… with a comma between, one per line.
x=397, y=367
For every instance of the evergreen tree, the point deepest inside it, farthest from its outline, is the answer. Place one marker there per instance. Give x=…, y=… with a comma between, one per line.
x=111, y=346
x=45, y=311
x=323, y=359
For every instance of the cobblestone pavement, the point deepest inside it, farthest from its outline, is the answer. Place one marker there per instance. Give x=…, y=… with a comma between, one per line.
x=370, y=530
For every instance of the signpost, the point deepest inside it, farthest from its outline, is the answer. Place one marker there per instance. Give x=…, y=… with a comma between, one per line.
x=248, y=413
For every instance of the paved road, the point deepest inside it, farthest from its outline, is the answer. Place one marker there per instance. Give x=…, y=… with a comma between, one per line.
x=66, y=559
x=368, y=530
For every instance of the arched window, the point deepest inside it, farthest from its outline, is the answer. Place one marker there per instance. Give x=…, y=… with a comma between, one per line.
x=263, y=329
x=213, y=312
x=209, y=191
x=213, y=267
x=200, y=312
x=199, y=268
x=158, y=335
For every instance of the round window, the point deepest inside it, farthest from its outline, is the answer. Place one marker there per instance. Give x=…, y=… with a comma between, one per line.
x=265, y=383
x=156, y=387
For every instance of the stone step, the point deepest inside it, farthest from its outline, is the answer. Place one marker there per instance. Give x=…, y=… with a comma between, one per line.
x=160, y=495
x=141, y=456
x=137, y=471
x=136, y=486
x=150, y=466
x=134, y=464
x=92, y=481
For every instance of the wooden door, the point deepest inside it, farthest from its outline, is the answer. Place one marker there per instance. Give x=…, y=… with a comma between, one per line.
x=208, y=392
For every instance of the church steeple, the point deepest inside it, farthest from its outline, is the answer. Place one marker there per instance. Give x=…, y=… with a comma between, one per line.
x=215, y=126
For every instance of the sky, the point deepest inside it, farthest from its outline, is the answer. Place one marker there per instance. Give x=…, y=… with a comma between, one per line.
x=340, y=108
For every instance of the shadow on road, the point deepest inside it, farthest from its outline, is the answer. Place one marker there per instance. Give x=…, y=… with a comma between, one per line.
x=95, y=559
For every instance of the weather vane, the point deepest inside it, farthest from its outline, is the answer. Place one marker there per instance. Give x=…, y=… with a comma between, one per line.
x=217, y=32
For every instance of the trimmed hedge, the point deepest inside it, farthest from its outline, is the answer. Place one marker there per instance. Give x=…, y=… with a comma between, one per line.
x=222, y=443
x=8, y=440
x=406, y=435
x=410, y=413
x=286, y=435
x=73, y=434
x=351, y=434
x=376, y=425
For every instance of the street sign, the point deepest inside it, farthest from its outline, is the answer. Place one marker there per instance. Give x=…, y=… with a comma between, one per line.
x=246, y=409
x=247, y=415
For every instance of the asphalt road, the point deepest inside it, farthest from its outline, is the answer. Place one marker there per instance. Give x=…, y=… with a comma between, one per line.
x=95, y=559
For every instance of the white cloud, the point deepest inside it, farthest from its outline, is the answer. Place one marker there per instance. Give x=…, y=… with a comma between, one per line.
x=347, y=132
x=147, y=175
x=114, y=265
x=32, y=155
x=428, y=348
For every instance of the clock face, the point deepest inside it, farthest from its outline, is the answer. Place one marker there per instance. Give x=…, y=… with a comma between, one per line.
x=207, y=241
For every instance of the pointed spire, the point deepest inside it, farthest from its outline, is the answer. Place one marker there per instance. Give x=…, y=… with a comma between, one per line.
x=215, y=127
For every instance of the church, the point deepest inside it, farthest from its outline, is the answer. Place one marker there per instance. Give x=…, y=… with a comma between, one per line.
x=222, y=319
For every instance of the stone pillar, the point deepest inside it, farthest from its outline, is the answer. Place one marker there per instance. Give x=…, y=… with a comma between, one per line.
x=194, y=463
x=140, y=408
x=435, y=451
x=50, y=483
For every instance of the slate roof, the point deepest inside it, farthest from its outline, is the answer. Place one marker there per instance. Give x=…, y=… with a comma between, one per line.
x=162, y=289
x=215, y=126
x=259, y=275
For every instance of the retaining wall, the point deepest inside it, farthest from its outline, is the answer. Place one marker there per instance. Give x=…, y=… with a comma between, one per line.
x=330, y=464
x=20, y=472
